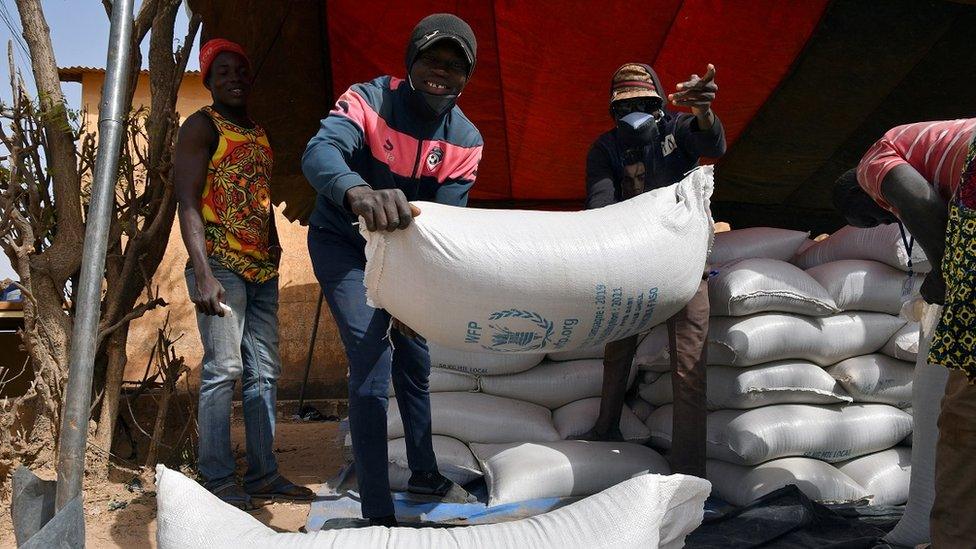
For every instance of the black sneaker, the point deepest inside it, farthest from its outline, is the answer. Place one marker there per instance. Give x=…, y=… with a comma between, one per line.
x=433, y=486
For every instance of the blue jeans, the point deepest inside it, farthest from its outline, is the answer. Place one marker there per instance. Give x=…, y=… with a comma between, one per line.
x=339, y=263
x=243, y=346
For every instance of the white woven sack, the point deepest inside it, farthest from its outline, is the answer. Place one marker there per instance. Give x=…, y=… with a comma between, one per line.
x=443, y=380
x=861, y=285
x=749, y=286
x=882, y=243
x=768, y=242
x=596, y=351
x=484, y=363
x=552, y=384
x=829, y=433
x=524, y=471
x=539, y=282
x=578, y=418
x=768, y=337
x=741, y=485
x=476, y=417
x=783, y=382
x=927, y=392
x=885, y=475
x=653, y=351
x=904, y=344
x=454, y=461
x=649, y=511
x=641, y=408
x=876, y=378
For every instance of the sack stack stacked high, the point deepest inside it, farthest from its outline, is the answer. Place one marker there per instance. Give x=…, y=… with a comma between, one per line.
x=810, y=367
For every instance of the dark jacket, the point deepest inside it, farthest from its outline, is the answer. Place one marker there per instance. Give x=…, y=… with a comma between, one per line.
x=374, y=137
x=681, y=145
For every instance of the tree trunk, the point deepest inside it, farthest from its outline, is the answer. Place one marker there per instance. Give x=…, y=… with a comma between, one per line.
x=116, y=359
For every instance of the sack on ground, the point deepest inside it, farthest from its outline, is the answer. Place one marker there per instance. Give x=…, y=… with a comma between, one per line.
x=749, y=286
x=529, y=281
x=783, y=382
x=767, y=242
x=477, y=417
x=484, y=363
x=769, y=337
x=741, y=485
x=641, y=408
x=551, y=384
x=524, y=471
x=578, y=418
x=885, y=475
x=882, y=243
x=829, y=433
x=454, y=461
x=861, y=285
x=876, y=378
x=649, y=511
x=443, y=380
x=653, y=351
x=596, y=351
x=904, y=344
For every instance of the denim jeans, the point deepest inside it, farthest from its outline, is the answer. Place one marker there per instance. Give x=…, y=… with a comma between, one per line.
x=240, y=346
x=339, y=263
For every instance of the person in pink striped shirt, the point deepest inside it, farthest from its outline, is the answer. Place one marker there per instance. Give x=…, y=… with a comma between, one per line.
x=924, y=176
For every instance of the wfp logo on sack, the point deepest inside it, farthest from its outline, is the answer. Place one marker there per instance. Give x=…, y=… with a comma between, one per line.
x=513, y=331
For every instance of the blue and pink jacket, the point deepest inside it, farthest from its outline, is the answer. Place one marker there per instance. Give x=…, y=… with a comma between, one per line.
x=375, y=136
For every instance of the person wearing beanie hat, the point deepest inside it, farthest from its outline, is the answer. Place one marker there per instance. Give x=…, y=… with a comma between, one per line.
x=385, y=143
x=221, y=174
x=653, y=146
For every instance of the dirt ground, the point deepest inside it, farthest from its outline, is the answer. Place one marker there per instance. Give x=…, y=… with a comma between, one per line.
x=115, y=516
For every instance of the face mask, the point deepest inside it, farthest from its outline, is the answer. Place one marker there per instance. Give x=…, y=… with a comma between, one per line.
x=435, y=105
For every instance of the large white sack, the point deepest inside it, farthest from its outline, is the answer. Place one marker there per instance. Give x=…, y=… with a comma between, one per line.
x=882, y=243
x=927, y=392
x=768, y=242
x=904, y=344
x=829, y=433
x=861, y=285
x=483, y=363
x=783, y=382
x=769, y=337
x=649, y=511
x=523, y=471
x=876, y=378
x=741, y=485
x=885, y=475
x=552, y=384
x=531, y=281
x=578, y=418
x=641, y=408
x=596, y=351
x=654, y=351
x=476, y=417
x=749, y=286
x=454, y=461
x=443, y=380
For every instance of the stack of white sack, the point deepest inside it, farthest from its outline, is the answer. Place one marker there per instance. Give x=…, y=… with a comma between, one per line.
x=521, y=285
x=810, y=372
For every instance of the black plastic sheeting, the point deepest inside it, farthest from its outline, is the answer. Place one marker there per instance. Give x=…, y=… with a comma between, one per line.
x=36, y=525
x=787, y=519
x=868, y=67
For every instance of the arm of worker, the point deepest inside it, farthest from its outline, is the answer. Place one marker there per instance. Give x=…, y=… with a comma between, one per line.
x=600, y=190
x=925, y=214
x=193, y=150
x=326, y=165
x=701, y=134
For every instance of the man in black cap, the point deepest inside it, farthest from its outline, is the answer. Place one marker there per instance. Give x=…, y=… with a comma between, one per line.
x=386, y=142
x=652, y=147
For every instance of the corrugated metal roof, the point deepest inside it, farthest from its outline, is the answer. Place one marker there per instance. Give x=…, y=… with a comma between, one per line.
x=74, y=74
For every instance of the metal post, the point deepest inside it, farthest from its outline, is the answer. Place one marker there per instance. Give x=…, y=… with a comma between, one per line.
x=311, y=349
x=77, y=395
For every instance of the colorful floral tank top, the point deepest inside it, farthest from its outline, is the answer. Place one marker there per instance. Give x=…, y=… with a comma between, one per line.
x=236, y=203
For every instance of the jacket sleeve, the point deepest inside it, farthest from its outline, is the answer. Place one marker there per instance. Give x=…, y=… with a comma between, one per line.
x=340, y=139
x=600, y=189
x=462, y=172
x=696, y=142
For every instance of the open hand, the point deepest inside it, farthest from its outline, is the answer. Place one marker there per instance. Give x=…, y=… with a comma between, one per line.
x=697, y=92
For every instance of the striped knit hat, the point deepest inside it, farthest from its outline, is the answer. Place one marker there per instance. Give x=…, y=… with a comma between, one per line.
x=633, y=80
